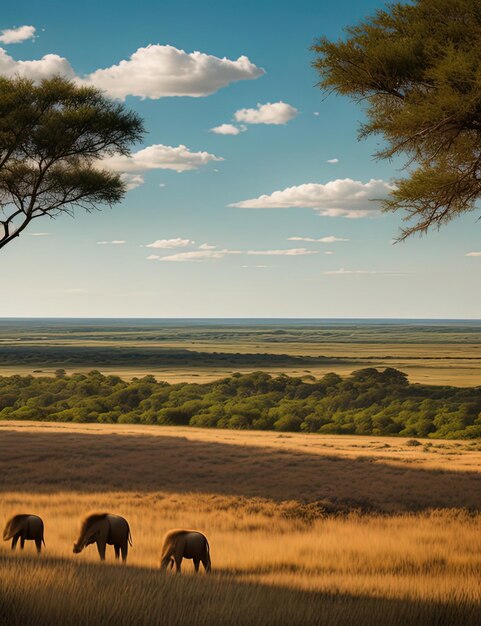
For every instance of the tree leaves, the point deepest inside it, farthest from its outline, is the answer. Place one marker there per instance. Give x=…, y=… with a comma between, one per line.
x=417, y=69
x=53, y=135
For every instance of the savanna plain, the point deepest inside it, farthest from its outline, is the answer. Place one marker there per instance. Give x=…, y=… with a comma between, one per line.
x=304, y=529
x=435, y=352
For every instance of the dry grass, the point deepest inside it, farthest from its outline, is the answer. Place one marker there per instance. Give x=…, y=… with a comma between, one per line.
x=440, y=371
x=442, y=353
x=442, y=363
x=261, y=499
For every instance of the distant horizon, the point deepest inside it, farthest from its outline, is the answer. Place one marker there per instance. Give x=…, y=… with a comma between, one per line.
x=248, y=319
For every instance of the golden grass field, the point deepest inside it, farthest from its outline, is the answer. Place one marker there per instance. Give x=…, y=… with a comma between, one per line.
x=304, y=529
x=462, y=372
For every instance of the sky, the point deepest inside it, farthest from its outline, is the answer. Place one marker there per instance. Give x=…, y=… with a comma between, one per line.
x=250, y=195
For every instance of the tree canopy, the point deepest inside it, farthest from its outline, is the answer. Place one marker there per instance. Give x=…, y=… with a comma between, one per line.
x=369, y=402
x=417, y=68
x=53, y=136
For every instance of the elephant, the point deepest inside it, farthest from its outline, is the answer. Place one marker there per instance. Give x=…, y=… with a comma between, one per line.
x=24, y=527
x=185, y=544
x=103, y=529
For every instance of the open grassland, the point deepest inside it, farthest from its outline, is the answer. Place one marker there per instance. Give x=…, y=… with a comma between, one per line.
x=304, y=529
x=202, y=351
x=460, y=373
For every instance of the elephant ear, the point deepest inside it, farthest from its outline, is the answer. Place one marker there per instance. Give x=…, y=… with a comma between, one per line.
x=89, y=528
x=13, y=526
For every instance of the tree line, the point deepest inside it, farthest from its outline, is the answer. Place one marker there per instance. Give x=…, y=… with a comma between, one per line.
x=368, y=402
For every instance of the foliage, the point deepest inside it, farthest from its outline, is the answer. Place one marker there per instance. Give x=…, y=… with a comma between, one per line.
x=52, y=135
x=369, y=402
x=417, y=66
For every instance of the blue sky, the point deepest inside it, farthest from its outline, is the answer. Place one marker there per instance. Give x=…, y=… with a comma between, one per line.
x=212, y=259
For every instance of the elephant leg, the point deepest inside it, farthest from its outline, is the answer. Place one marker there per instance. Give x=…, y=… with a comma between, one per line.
x=178, y=561
x=125, y=549
x=22, y=542
x=15, y=540
x=101, y=549
x=117, y=551
x=165, y=562
x=38, y=544
x=196, y=564
x=206, y=562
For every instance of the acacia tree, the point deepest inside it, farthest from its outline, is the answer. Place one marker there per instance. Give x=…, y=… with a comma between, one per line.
x=417, y=68
x=52, y=137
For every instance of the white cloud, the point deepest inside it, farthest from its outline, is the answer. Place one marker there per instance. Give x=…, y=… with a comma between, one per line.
x=194, y=255
x=316, y=113
x=348, y=213
x=344, y=272
x=17, y=35
x=473, y=254
x=114, y=242
x=170, y=243
x=157, y=71
x=228, y=129
x=38, y=234
x=206, y=246
x=269, y=113
x=132, y=180
x=332, y=161
x=46, y=67
x=337, y=198
x=161, y=184
x=329, y=239
x=288, y=252
x=158, y=156
x=256, y=266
